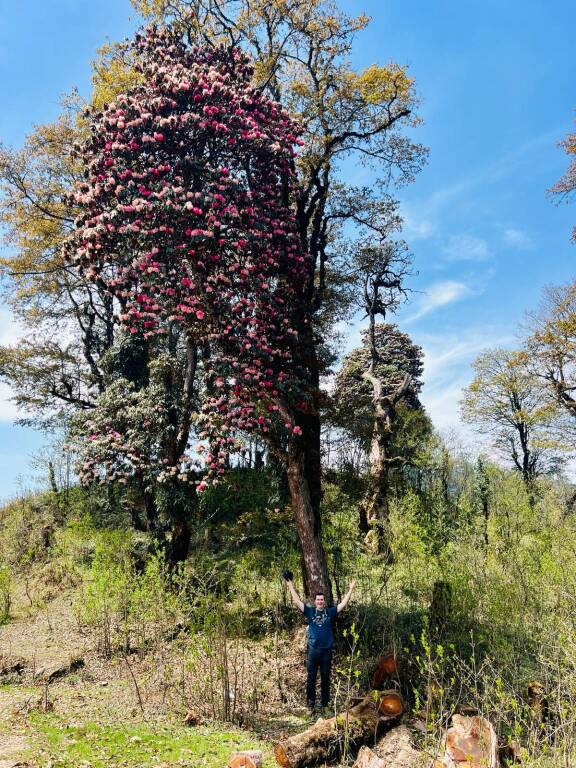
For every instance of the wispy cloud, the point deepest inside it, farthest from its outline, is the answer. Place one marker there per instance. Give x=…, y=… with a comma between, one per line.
x=439, y=295
x=466, y=248
x=518, y=238
x=414, y=226
x=421, y=215
x=447, y=369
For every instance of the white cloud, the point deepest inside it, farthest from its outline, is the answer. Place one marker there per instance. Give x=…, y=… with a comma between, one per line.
x=466, y=248
x=414, y=226
x=447, y=370
x=439, y=295
x=518, y=238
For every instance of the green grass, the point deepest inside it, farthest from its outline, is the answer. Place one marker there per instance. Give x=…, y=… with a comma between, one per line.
x=63, y=745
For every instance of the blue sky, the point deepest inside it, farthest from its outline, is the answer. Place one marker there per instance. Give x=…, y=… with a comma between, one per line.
x=496, y=82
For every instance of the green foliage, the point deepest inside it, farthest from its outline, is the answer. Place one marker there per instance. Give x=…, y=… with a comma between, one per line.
x=128, y=609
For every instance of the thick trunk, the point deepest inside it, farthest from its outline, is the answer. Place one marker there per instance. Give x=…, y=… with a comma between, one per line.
x=181, y=533
x=181, y=503
x=314, y=564
x=325, y=740
x=374, y=514
x=375, y=504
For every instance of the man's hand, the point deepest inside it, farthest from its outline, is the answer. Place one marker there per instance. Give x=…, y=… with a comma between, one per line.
x=288, y=575
x=344, y=602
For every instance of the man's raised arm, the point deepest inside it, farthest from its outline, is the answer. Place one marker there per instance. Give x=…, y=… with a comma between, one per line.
x=344, y=602
x=295, y=596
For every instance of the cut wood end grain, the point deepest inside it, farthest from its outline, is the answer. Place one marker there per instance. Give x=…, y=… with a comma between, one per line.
x=250, y=758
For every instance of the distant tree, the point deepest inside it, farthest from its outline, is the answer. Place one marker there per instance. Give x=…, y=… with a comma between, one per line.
x=566, y=187
x=551, y=347
x=376, y=400
x=508, y=403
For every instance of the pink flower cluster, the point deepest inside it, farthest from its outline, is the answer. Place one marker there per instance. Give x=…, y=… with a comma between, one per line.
x=185, y=217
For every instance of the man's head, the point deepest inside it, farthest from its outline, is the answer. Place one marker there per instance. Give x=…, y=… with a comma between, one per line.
x=320, y=601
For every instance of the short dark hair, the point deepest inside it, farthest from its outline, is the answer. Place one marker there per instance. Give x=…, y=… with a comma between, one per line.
x=318, y=595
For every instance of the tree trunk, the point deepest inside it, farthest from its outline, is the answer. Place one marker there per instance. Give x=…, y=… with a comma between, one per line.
x=324, y=741
x=181, y=534
x=315, y=568
x=180, y=502
x=375, y=509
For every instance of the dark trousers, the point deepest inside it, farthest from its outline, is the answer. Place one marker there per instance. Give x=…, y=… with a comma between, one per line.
x=318, y=659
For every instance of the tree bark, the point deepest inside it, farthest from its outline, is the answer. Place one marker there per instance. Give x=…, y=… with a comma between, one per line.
x=315, y=567
x=396, y=750
x=368, y=759
x=375, y=508
x=323, y=742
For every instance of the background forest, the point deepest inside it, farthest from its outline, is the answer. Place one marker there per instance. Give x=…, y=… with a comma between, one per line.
x=185, y=249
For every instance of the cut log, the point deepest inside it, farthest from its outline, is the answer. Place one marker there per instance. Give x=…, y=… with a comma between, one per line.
x=391, y=704
x=396, y=750
x=360, y=725
x=249, y=758
x=385, y=668
x=368, y=759
x=470, y=743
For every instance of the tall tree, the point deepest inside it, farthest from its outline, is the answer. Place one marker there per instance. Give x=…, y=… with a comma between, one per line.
x=185, y=220
x=301, y=50
x=506, y=402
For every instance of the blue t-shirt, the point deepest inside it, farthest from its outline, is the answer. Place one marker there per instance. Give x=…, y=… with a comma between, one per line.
x=320, y=635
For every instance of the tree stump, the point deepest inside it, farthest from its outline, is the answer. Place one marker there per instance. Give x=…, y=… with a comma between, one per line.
x=385, y=669
x=470, y=743
x=361, y=724
x=249, y=758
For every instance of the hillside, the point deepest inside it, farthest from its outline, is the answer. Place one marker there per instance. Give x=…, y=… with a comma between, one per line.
x=105, y=651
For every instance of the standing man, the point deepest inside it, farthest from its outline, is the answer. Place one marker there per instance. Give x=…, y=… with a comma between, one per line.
x=320, y=639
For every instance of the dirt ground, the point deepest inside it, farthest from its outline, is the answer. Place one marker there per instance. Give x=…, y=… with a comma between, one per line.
x=122, y=690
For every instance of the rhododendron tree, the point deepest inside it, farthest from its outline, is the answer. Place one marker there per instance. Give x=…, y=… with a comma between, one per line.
x=186, y=220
